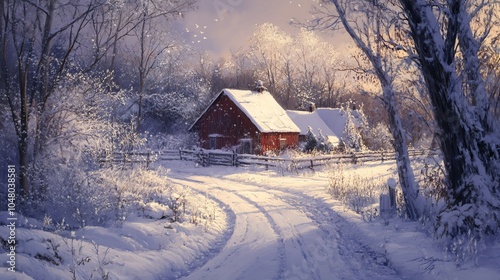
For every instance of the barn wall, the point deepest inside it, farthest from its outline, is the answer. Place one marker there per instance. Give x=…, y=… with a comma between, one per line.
x=271, y=141
x=226, y=119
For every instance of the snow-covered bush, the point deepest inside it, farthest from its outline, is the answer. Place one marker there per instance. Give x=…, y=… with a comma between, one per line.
x=149, y=193
x=311, y=141
x=316, y=143
x=68, y=178
x=446, y=223
x=176, y=201
x=73, y=133
x=288, y=164
x=378, y=138
x=69, y=182
x=323, y=145
x=352, y=140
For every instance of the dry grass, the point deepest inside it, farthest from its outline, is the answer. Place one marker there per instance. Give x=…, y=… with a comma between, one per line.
x=355, y=191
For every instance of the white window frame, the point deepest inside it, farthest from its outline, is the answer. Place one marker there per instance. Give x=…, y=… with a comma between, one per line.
x=282, y=143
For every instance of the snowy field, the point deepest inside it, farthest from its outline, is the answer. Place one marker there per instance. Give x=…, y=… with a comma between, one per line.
x=262, y=225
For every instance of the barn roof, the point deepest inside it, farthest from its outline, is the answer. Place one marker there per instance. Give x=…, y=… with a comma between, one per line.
x=331, y=121
x=336, y=119
x=306, y=119
x=261, y=108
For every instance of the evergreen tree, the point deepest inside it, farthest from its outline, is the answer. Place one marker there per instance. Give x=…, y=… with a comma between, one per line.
x=352, y=135
x=311, y=141
x=323, y=144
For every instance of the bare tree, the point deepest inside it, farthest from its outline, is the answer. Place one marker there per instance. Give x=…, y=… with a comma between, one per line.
x=469, y=142
x=297, y=69
x=367, y=22
x=43, y=41
x=268, y=46
x=314, y=62
x=38, y=40
x=150, y=40
x=490, y=61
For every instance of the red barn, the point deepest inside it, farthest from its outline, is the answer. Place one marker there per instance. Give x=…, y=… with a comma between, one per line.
x=249, y=121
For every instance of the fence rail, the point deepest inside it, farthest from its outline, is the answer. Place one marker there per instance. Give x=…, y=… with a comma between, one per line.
x=227, y=158
x=126, y=159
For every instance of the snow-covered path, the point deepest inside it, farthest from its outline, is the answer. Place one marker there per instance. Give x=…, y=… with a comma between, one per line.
x=283, y=234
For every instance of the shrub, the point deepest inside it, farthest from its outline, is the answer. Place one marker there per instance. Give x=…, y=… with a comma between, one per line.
x=354, y=191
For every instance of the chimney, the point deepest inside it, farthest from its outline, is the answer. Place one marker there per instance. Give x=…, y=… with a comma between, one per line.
x=260, y=86
x=312, y=107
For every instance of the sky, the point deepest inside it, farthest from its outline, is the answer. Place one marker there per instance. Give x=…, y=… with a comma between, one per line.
x=220, y=26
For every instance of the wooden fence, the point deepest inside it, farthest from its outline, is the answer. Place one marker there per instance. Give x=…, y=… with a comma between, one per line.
x=227, y=158
x=128, y=159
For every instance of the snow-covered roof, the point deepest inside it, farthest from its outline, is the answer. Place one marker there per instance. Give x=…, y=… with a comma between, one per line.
x=306, y=119
x=261, y=108
x=334, y=118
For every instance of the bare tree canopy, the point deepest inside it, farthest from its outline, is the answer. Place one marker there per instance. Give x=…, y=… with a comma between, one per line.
x=43, y=41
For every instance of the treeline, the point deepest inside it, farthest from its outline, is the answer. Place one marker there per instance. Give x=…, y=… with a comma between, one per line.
x=74, y=76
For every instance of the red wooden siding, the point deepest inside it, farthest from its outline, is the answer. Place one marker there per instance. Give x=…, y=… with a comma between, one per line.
x=272, y=142
x=224, y=119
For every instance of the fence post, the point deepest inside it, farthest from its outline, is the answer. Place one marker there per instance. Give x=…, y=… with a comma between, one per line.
x=391, y=183
x=384, y=204
x=388, y=201
x=204, y=159
x=180, y=153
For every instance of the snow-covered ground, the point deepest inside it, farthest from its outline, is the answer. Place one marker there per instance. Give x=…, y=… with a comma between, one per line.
x=265, y=226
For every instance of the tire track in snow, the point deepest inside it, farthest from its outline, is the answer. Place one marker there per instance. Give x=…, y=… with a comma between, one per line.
x=220, y=242
x=363, y=261
x=330, y=251
x=307, y=257
x=273, y=215
x=250, y=249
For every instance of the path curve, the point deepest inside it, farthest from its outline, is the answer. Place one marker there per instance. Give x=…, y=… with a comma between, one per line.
x=284, y=234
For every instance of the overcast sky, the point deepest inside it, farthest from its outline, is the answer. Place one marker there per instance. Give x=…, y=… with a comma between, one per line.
x=223, y=25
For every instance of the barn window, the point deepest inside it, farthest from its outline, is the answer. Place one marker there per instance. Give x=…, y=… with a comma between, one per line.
x=246, y=146
x=214, y=140
x=282, y=143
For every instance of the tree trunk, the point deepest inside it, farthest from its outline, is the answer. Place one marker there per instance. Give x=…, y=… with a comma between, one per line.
x=470, y=162
x=22, y=132
x=405, y=171
x=139, y=103
x=115, y=44
x=143, y=66
x=470, y=49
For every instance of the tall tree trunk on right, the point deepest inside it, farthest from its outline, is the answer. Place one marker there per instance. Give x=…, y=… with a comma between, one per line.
x=470, y=152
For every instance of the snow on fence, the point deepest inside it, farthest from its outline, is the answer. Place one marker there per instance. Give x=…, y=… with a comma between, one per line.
x=217, y=157
x=228, y=158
